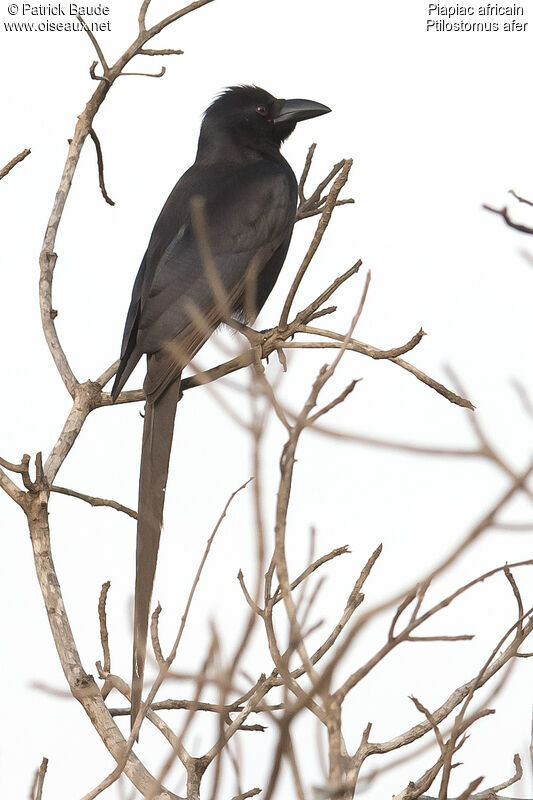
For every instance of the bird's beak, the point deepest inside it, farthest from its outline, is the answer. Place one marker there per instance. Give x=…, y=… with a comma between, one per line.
x=297, y=110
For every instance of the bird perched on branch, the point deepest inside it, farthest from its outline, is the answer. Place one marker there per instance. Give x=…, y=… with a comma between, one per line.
x=216, y=251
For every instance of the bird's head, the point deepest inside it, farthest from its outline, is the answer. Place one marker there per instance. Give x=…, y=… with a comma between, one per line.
x=255, y=119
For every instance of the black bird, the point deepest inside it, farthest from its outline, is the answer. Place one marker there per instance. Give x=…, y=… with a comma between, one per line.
x=249, y=203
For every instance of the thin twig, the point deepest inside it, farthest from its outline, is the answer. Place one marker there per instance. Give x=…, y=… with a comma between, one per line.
x=305, y=171
x=154, y=633
x=504, y=213
x=96, y=46
x=104, y=635
x=14, y=161
x=145, y=51
x=520, y=198
x=317, y=238
x=100, y=161
x=339, y=551
x=197, y=705
x=516, y=591
x=96, y=502
x=37, y=790
x=250, y=793
x=247, y=596
x=159, y=74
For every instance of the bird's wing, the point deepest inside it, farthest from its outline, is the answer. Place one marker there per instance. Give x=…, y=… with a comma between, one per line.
x=249, y=215
x=247, y=221
x=244, y=223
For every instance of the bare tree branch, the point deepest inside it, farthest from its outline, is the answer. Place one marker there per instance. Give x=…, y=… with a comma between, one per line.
x=82, y=685
x=154, y=634
x=319, y=233
x=96, y=502
x=100, y=162
x=14, y=161
x=104, y=636
x=145, y=51
x=37, y=789
x=250, y=793
x=504, y=213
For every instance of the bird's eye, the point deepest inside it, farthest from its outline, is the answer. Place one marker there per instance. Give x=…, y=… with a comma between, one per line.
x=262, y=110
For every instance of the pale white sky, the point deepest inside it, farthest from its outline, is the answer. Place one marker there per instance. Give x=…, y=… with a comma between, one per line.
x=437, y=124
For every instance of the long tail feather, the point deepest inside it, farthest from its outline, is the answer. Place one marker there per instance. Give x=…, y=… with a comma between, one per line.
x=156, y=446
